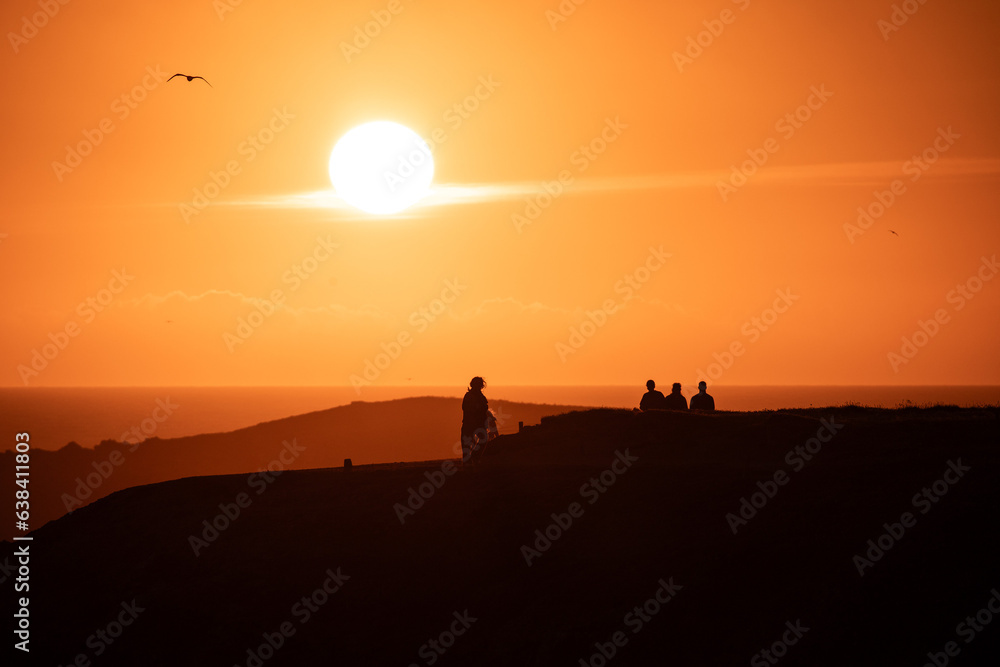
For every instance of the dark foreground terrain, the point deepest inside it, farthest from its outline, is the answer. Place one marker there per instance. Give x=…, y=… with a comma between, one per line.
x=408, y=429
x=640, y=561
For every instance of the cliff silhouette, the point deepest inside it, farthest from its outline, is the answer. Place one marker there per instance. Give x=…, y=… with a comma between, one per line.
x=409, y=429
x=651, y=538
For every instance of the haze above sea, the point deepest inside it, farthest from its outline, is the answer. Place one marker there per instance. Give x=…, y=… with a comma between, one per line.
x=55, y=416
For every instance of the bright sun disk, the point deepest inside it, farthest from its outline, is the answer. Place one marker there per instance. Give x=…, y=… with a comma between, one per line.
x=381, y=167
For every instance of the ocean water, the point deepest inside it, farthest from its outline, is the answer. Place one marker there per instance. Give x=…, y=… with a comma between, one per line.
x=57, y=416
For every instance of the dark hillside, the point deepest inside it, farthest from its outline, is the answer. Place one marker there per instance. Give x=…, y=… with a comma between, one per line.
x=658, y=516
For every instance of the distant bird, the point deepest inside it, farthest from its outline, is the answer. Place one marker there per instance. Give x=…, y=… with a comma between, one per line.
x=893, y=232
x=191, y=77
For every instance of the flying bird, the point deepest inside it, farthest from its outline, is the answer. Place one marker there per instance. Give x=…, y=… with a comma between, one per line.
x=191, y=77
x=893, y=232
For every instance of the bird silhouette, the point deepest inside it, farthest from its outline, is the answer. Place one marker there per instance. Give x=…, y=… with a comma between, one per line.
x=893, y=232
x=191, y=77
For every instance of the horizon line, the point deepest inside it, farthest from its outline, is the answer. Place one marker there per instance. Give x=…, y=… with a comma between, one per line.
x=442, y=386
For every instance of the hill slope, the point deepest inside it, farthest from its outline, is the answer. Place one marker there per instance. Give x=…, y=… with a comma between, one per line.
x=652, y=494
x=401, y=430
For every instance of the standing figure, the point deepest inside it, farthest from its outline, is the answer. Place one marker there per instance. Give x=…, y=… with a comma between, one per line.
x=475, y=412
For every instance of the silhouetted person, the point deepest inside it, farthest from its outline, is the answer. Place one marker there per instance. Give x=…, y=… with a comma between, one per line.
x=652, y=399
x=675, y=400
x=702, y=400
x=475, y=412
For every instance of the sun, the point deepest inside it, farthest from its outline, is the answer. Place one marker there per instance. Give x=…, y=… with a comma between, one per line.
x=381, y=167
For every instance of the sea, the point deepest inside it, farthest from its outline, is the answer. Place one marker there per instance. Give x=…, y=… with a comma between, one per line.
x=56, y=416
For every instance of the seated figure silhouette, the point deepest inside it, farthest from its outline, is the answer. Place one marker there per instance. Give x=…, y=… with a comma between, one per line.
x=475, y=413
x=703, y=400
x=675, y=400
x=652, y=399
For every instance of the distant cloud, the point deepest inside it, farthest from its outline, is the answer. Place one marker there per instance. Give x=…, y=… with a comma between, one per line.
x=875, y=173
x=492, y=306
x=839, y=173
x=505, y=304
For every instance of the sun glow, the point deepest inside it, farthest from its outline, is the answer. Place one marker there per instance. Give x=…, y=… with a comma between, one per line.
x=381, y=167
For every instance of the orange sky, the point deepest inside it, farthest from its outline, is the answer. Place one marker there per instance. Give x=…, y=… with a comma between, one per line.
x=722, y=256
